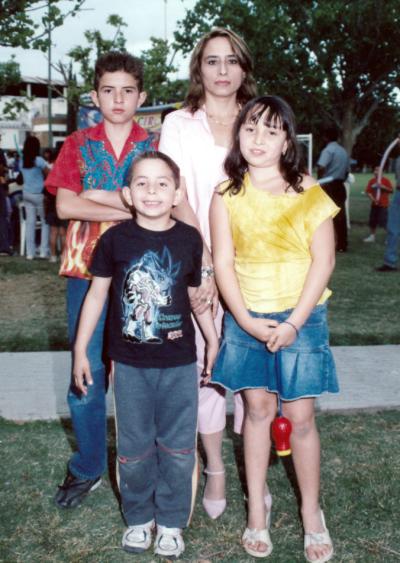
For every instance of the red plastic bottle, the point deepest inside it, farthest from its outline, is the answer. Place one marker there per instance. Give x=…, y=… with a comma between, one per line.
x=281, y=430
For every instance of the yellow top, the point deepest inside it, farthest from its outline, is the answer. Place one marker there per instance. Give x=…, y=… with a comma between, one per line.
x=272, y=236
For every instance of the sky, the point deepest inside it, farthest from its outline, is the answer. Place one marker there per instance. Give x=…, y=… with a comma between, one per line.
x=145, y=18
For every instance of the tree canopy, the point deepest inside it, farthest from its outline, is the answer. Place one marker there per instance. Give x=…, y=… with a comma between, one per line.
x=20, y=28
x=335, y=61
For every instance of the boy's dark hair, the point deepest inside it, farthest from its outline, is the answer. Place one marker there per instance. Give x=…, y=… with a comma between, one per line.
x=30, y=151
x=278, y=113
x=155, y=155
x=115, y=61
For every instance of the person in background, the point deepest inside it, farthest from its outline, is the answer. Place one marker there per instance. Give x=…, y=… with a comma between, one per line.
x=379, y=196
x=391, y=256
x=58, y=227
x=34, y=171
x=334, y=163
x=5, y=246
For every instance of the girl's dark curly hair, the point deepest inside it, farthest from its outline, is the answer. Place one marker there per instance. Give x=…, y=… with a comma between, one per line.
x=277, y=112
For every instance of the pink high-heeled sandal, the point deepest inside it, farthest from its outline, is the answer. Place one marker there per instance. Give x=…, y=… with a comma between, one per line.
x=214, y=507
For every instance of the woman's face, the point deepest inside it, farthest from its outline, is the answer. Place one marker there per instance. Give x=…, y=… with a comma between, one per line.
x=221, y=73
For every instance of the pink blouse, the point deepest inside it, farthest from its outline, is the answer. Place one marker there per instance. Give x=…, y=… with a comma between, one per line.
x=188, y=140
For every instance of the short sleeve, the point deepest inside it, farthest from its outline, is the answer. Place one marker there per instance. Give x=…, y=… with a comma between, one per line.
x=40, y=163
x=102, y=262
x=195, y=276
x=170, y=140
x=324, y=158
x=65, y=172
x=318, y=207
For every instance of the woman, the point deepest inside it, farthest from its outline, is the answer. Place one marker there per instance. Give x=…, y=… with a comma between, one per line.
x=34, y=170
x=197, y=138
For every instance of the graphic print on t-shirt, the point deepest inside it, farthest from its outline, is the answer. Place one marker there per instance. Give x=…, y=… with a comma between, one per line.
x=148, y=287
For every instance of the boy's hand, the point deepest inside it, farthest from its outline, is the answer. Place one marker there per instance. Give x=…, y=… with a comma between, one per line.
x=284, y=335
x=262, y=329
x=212, y=351
x=81, y=373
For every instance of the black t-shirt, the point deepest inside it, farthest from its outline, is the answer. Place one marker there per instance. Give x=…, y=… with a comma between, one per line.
x=150, y=321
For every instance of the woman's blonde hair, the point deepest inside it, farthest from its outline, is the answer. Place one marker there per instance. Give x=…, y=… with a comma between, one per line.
x=248, y=88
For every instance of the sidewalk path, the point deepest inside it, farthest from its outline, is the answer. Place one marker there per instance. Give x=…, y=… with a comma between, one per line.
x=34, y=384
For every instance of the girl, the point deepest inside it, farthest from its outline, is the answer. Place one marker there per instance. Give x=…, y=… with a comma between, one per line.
x=273, y=250
x=198, y=138
x=34, y=171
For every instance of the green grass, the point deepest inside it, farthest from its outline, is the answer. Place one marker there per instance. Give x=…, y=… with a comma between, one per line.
x=360, y=492
x=363, y=309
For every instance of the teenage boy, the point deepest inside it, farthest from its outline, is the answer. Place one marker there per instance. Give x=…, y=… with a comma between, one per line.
x=97, y=158
x=152, y=264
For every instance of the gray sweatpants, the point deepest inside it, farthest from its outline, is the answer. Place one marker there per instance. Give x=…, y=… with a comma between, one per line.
x=156, y=419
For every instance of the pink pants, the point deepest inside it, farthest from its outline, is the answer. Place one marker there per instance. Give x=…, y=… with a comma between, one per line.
x=212, y=400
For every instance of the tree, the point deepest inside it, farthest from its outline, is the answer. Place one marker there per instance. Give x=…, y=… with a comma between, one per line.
x=18, y=27
x=158, y=65
x=10, y=75
x=333, y=60
x=382, y=129
x=82, y=57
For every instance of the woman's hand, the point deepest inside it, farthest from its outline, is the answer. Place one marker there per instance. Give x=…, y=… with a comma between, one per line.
x=204, y=296
x=284, y=335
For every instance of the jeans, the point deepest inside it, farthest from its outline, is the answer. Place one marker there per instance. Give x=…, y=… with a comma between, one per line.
x=393, y=231
x=34, y=207
x=88, y=412
x=156, y=418
x=306, y=368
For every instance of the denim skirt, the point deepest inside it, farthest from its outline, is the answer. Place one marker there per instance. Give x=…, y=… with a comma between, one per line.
x=304, y=369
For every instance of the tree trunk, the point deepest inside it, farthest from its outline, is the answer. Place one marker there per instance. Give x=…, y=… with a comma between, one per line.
x=349, y=134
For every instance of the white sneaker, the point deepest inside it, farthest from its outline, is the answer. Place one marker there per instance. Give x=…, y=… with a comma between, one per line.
x=169, y=542
x=370, y=238
x=53, y=259
x=138, y=538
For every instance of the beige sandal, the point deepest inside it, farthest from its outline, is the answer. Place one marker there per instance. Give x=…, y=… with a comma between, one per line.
x=252, y=537
x=318, y=538
x=214, y=507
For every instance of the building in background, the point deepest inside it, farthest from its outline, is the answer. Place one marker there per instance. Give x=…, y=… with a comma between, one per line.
x=35, y=119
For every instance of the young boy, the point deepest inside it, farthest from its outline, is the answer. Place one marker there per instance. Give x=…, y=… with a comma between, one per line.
x=379, y=196
x=152, y=264
x=95, y=158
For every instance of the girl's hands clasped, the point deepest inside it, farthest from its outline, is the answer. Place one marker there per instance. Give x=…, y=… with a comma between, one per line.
x=260, y=328
x=284, y=335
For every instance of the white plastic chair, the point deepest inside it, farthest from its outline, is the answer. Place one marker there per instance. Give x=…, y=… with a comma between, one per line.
x=22, y=227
